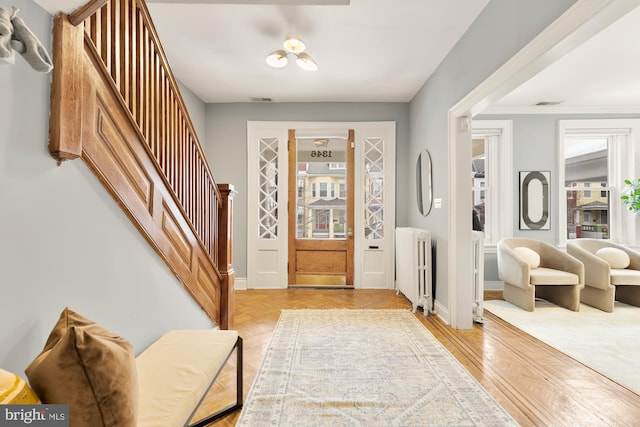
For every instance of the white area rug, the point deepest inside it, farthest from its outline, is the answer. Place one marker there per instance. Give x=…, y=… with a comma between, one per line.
x=363, y=368
x=606, y=342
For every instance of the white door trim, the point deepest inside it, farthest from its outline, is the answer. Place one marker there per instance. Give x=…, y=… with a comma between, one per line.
x=279, y=129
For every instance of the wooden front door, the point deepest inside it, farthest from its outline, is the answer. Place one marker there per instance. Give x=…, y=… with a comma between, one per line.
x=321, y=180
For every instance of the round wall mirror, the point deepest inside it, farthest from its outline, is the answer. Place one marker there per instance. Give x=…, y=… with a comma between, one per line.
x=423, y=182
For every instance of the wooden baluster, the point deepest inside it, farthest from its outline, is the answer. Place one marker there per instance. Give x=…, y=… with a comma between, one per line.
x=180, y=160
x=216, y=212
x=159, y=115
x=149, y=97
x=88, y=25
x=134, y=65
x=162, y=147
x=114, y=36
x=167, y=137
x=105, y=52
x=125, y=52
x=195, y=161
x=183, y=157
x=156, y=111
x=144, y=88
x=96, y=29
x=176, y=142
x=199, y=194
x=187, y=176
x=193, y=186
x=206, y=207
x=168, y=128
x=180, y=138
x=161, y=126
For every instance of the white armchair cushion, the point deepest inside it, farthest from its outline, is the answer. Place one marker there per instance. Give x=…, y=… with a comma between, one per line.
x=616, y=258
x=625, y=276
x=530, y=256
x=549, y=276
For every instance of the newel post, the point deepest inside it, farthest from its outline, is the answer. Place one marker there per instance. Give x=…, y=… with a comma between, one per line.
x=225, y=256
x=65, y=127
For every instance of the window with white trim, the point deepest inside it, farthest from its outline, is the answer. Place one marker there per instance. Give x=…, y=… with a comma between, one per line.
x=323, y=190
x=492, y=178
x=596, y=156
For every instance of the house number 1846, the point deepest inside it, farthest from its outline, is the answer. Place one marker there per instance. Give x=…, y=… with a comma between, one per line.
x=321, y=153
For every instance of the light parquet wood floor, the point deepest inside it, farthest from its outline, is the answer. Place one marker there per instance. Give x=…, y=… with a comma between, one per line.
x=536, y=384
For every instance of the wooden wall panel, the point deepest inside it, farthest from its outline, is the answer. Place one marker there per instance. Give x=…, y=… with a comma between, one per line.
x=114, y=145
x=179, y=243
x=320, y=262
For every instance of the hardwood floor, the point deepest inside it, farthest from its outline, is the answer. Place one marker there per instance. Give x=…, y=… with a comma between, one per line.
x=536, y=384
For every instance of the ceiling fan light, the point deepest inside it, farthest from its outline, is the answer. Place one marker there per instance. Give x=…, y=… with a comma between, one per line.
x=277, y=59
x=294, y=45
x=306, y=62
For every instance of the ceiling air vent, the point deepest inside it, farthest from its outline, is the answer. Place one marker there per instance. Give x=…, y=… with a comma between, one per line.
x=255, y=99
x=541, y=103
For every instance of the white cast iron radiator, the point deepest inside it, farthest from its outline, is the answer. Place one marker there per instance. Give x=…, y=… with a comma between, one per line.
x=477, y=240
x=413, y=266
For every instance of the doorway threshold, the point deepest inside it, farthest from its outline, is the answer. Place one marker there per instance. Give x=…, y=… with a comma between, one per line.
x=317, y=286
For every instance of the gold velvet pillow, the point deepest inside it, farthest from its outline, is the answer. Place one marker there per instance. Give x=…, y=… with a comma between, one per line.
x=89, y=368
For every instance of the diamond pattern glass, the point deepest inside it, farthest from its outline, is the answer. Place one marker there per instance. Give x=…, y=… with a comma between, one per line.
x=268, y=189
x=374, y=188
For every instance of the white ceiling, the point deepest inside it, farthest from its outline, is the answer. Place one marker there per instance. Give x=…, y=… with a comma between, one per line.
x=369, y=51
x=601, y=75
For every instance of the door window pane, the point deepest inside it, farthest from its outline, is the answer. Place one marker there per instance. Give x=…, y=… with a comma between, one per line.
x=320, y=165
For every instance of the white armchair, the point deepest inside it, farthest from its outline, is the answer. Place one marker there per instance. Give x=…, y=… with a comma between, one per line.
x=531, y=268
x=612, y=272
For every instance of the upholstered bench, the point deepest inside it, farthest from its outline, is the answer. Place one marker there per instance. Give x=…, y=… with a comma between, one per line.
x=176, y=371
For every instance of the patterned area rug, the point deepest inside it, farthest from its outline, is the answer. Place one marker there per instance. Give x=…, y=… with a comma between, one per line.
x=363, y=368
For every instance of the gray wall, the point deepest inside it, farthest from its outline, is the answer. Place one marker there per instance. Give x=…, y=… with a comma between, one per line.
x=503, y=28
x=63, y=240
x=226, y=148
x=197, y=111
x=535, y=147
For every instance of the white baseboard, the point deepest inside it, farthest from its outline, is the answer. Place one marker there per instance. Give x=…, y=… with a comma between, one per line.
x=240, y=284
x=442, y=312
x=493, y=285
